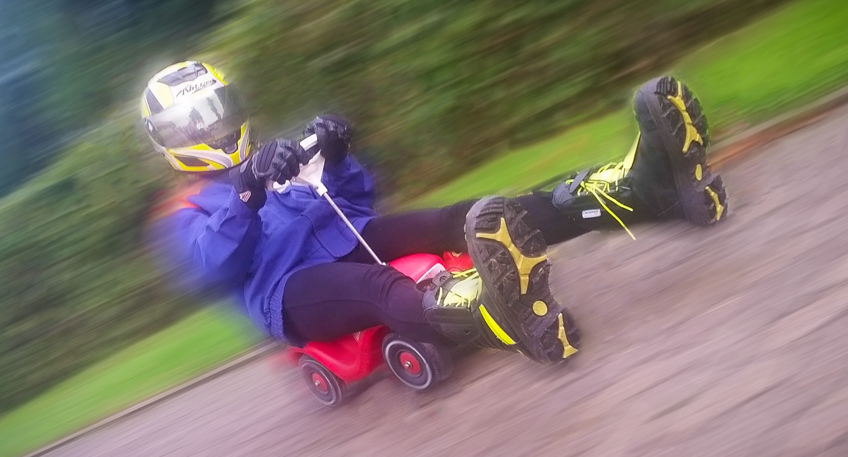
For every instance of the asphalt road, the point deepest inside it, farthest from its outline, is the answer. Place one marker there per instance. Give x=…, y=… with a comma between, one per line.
x=697, y=342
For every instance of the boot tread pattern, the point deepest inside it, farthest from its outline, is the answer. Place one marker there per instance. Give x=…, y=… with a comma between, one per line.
x=510, y=256
x=702, y=193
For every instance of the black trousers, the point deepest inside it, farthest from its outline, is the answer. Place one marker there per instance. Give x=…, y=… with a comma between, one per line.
x=324, y=302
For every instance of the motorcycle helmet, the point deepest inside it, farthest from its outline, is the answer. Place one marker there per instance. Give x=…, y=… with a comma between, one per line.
x=195, y=118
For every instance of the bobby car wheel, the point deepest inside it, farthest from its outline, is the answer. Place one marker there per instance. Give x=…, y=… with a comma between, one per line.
x=324, y=385
x=418, y=365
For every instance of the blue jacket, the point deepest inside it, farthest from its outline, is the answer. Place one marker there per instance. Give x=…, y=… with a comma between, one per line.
x=225, y=242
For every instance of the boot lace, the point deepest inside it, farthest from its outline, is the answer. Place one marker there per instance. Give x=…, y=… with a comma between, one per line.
x=605, y=180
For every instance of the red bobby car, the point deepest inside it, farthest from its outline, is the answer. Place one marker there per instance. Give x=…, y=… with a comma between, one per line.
x=328, y=366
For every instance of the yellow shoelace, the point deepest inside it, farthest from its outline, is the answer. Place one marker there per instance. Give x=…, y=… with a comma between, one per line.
x=605, y=180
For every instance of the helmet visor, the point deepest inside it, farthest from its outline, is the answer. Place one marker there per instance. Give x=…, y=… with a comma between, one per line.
x=205, y=119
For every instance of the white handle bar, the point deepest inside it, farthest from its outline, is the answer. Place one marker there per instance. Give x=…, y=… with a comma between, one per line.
x=311, y=173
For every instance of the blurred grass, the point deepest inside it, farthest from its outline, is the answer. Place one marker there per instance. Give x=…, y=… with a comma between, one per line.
x=789, y=58
x=187, y=349
x=517, y=171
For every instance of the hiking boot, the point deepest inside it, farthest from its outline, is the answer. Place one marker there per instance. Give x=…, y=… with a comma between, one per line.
x=517, y=305
x=453, y=305
x=664, y=175
x=674, y=136
x=601, y=198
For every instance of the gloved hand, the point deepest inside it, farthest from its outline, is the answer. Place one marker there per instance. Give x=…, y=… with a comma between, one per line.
x=278, y=161
x=334, y=134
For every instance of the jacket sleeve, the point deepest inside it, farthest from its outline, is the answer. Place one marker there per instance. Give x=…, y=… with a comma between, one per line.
x=219, y=245
x=349, y=180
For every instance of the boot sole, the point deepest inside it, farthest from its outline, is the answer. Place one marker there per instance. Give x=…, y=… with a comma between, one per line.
x=510, y=255
x=677, y=119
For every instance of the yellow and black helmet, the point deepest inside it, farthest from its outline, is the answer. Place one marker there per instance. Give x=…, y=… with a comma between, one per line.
x=195, y=119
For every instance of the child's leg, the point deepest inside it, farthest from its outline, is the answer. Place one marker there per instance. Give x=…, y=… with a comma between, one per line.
x=325, y=302
x=432, y=231
x=439, y=230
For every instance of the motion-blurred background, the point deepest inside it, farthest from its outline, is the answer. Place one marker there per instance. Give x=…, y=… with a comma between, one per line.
x=436, y=88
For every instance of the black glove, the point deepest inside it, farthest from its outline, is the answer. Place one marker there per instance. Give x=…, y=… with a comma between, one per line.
x=334, y=134
x=278, y=161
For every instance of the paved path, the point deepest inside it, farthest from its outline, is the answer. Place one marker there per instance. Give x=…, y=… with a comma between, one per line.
x=730, y=341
